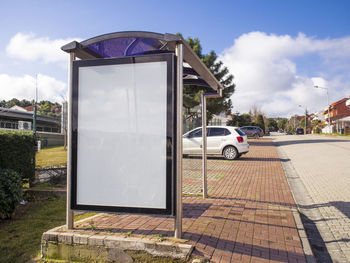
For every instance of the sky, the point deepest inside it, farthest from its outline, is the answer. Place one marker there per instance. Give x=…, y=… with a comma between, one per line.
x=276, y=50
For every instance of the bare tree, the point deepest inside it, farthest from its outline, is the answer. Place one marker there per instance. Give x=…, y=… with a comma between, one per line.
x=254, y=112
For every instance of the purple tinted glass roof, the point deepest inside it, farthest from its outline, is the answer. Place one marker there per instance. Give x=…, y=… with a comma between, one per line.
x=121, y=47
x=135, y=43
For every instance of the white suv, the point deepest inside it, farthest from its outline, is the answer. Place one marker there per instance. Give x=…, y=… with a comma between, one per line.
x=226, y=141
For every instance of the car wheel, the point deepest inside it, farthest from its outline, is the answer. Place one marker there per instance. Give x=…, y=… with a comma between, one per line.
x=230, y=153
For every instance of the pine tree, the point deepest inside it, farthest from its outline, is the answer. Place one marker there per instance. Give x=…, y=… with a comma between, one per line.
x=192, y=93
x=260, y=122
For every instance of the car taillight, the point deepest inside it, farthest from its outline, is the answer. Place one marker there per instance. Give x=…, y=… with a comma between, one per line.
x=240, y=139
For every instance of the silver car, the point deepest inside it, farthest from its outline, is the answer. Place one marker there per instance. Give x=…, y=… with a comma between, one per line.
x=227, y=141
x=252, y=131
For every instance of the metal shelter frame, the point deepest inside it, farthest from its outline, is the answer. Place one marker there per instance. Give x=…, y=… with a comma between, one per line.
x=136, y=43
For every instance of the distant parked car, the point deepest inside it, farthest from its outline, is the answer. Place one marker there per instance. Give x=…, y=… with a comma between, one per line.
x=227, y=141
x=288, y=133
x=253, y=131
x=299, y=131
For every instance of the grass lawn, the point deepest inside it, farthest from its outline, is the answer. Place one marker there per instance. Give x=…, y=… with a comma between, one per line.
x=52, y=156
x=20, y=238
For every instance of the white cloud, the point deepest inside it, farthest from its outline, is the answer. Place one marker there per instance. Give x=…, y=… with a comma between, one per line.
x=266, y=72
x=24, y=88
x=31, y=48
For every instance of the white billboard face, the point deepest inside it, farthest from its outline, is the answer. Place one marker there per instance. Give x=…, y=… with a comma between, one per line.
x=121, y=137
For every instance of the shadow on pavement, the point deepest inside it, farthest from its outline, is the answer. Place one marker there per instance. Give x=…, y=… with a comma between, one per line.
x=317, y=243
x=254, y=159
x=252, y=200
x=194, y=210
x=261, y=143
x=339, y=240
x=242, y=158
x=196, y=157
x=342, y=206
x=239, y=249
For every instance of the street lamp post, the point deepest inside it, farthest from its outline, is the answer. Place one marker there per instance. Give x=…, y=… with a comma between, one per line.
x=35, y=109
x=329, y=116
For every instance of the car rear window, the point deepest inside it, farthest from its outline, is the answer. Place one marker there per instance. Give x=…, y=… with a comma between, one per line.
x=240, y=132
x=218, y=132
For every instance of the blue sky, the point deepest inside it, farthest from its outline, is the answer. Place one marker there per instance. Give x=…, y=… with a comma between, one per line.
x=276, y=50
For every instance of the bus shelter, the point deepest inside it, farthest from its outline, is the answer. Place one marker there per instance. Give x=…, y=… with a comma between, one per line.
x=125, y=122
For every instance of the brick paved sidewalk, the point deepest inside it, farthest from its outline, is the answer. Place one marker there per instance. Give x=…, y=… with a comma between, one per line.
x=248, y=217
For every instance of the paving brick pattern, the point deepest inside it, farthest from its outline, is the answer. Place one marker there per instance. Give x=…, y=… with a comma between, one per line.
x=247, y=218
x=192, y=174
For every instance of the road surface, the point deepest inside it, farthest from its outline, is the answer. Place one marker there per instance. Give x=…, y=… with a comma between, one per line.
x=318, y=170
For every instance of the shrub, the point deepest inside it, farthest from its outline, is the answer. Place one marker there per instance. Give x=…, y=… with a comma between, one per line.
x=17, y=153
x=10, y=192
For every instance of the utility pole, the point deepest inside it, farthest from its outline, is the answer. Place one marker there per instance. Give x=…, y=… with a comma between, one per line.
x=34, y=121
x=34, y=113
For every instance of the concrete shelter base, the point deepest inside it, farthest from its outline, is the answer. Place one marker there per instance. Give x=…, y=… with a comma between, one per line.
x=62, y=244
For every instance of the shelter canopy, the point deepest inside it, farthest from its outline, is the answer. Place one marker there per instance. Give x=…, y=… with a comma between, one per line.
x=137, y=43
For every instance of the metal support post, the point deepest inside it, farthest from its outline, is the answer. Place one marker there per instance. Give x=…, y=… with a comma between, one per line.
x=204, y=144
x=204, y=97
x=179, y=104
x=305, y=120
x=69, y=212
x=328, y=106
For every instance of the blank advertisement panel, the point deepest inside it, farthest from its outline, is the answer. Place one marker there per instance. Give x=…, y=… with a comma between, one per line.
x=123, y=125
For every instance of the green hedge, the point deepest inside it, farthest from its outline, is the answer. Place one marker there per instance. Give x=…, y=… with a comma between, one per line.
x=17, y=152
x=10, y=192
